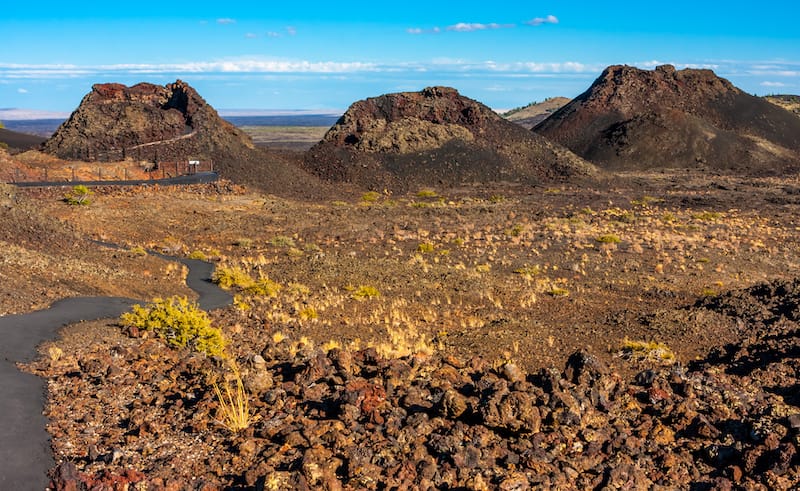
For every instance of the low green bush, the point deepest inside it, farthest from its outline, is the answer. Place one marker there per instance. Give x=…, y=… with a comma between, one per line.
x=79, y=195
x=179, y=322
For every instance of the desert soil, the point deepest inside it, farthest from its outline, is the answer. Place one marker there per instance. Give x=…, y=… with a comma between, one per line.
x=520, y=277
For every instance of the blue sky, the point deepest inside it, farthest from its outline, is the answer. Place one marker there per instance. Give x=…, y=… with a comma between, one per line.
x=326, y=55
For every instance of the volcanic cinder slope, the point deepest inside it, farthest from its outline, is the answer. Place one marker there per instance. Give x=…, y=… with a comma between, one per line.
x=147, y=122
x=16, y=141
x=638, y=119
x=435, y=137
x=154, y=123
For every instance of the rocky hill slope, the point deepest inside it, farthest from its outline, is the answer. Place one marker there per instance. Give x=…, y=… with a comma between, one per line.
x=434, y=137
x=638, y=119
x=154, y=123
x=536, y=112
x=147, y=122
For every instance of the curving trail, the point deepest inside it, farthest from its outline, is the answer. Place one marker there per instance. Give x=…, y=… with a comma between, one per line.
x=25, y=454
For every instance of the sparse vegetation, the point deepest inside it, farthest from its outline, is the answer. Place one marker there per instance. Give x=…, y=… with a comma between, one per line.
x=79, y=195
x=609, y=239
x=427, y=193
x=425, y=247
x=707, y=216
x=243, y=242
x=365, y=292
x=283, y=241
x=370, y=197
x=647, y=351
x=234, y=403
x=230, y=277
x=199, y=255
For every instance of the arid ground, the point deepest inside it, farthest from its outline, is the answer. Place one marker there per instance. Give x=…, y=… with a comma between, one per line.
x=519, y=276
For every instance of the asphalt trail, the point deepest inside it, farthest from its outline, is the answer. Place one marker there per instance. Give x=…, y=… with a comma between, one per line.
x=25, y=454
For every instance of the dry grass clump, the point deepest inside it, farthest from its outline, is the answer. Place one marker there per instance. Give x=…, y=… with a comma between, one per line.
x=263, y=287
x=365, y=292
x=404, y=341
x=234, y=410
x=647, y=351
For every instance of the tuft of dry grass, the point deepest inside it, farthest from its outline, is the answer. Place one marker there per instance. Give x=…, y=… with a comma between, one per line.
x=234, y=403
x=647, y=351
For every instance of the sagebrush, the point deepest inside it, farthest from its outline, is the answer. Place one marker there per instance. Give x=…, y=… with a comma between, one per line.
x=179, y=322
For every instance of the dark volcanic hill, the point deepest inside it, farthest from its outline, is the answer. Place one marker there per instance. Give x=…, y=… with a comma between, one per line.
x=146, y=122
x=171, y=123
x=434, y=137
x=638, y=119
x=19, y=141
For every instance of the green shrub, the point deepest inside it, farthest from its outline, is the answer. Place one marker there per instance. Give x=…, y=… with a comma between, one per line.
x=243, y=242
x=558, y=292
x=370, y=197
x=199, y=255
x=364, y=292
x=425, y=247
x=138, y=251
x=229, y=277
x=283, y=241
x=427, y=193
x=514, y=231
x=609, y=239
x=79, y=195
x=178, y=322
x=264, y=287
x=707, y=216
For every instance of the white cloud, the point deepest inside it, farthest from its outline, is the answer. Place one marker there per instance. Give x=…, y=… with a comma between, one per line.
x=417, y=30
x=291, y=30
x=273, y=34
x=780, y=72
x=481, y=26
x=470, y=27
x=538, y=21
x=251, y=35
x=226, y=21
x=773, y=84
x=22, y=91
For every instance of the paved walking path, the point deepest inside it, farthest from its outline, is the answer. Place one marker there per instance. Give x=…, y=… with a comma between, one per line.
x=25, y=454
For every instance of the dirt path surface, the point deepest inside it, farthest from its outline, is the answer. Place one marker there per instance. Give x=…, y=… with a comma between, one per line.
x=25, y=456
